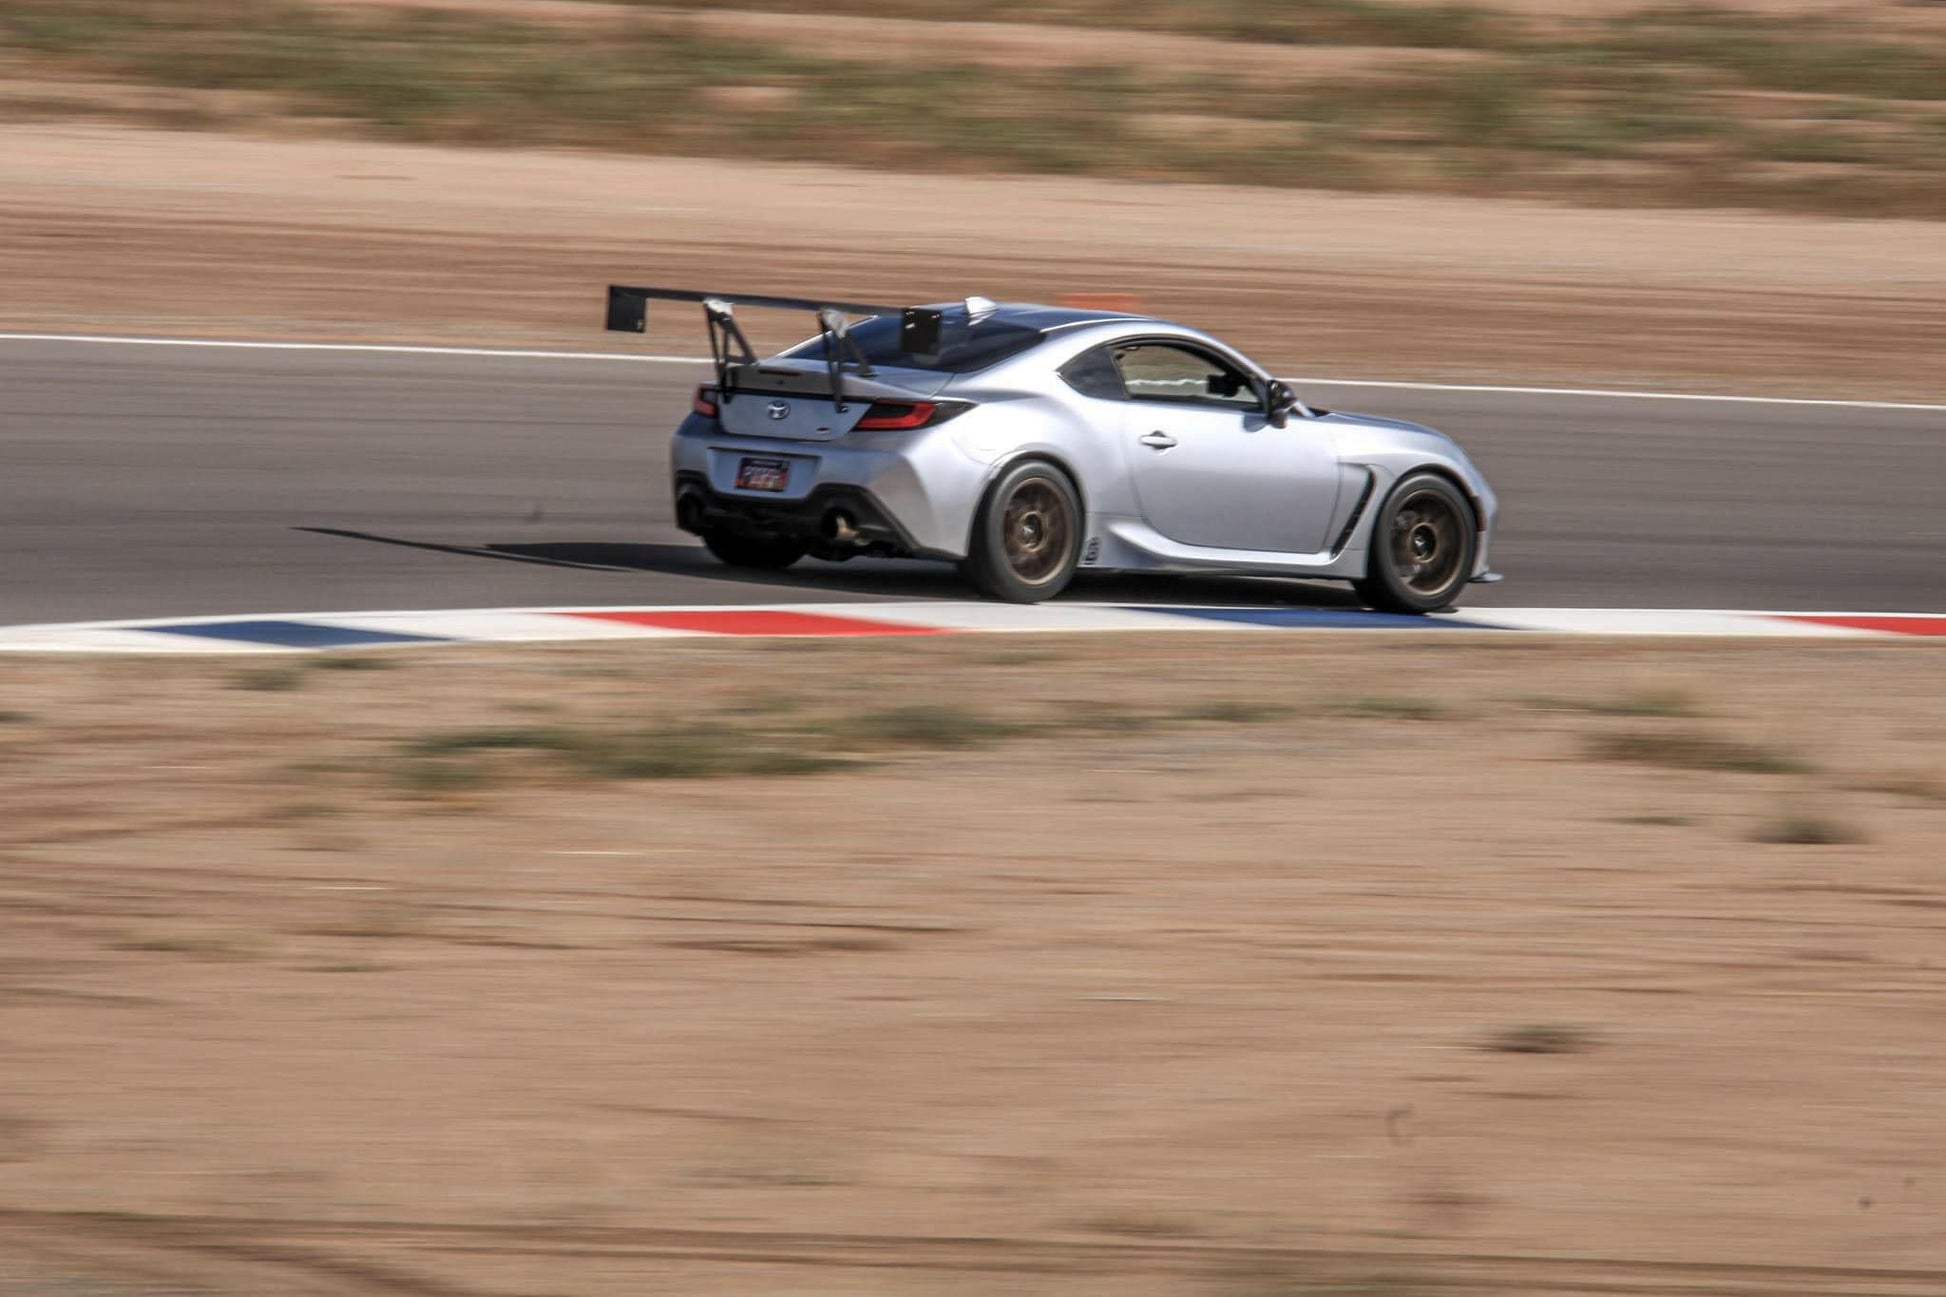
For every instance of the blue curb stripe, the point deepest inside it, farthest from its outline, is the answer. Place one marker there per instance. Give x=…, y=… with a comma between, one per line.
x=1316, y=618
x=296, y=634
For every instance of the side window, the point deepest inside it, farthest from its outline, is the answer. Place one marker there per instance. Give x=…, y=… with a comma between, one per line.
x=1163, y=371
x=1093, y=373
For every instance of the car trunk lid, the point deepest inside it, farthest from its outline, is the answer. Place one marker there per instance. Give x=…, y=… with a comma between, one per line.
x=791, y=400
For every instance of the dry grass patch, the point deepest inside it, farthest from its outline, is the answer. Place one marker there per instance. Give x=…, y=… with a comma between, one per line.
x=693, y=750
x=1393, y=709
x=201, y=944
x=923, y=726
x=1658, y=700
x=1807, y=828
x=1540, y=1038
x=1907, y=784
x=437, y=778
x=1234, y=711
x=352, y=662
x=382, y=922
x=1692, y=750
x=777, y=737
x=277, y=679
x=1016, y=657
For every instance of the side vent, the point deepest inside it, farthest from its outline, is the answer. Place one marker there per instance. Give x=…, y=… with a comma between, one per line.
x=1093, y=552
x=1357, y=512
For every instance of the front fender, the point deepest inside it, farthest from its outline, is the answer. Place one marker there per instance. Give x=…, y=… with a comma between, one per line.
x=1391, y=450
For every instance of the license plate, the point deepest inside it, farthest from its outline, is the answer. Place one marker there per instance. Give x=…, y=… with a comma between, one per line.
x=763, y=474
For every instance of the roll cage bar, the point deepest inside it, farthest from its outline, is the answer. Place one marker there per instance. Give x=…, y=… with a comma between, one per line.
x=919, y=329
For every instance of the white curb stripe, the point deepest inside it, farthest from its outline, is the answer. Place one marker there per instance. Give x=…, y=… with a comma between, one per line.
x=499, y=626
x=653, y=359
x=302, y=632
x=1013, y=618
x=1631, y=621
x=113, y=639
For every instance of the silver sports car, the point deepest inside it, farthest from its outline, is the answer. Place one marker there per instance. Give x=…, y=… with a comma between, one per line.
x=1025, y=442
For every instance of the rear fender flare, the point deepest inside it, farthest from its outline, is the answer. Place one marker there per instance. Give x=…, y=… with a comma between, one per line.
x=1007, y=465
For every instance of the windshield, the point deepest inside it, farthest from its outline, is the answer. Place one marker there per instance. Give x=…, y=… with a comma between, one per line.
x=964, y=346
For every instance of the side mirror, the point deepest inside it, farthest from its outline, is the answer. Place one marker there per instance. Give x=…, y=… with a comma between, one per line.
x=1282, y=400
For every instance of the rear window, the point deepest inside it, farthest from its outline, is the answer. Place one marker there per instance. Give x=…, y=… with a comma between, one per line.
x=963, y=346
x=1094, y=373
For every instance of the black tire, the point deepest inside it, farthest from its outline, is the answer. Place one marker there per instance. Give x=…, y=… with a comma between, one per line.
x=1026, y=536
x=1423, y=544
x=753, y=549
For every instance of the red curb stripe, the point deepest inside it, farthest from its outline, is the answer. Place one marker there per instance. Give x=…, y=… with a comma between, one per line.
x=759, y=622
x=1890, y=625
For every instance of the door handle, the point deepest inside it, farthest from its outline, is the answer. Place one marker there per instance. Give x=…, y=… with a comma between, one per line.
x=1158, y=440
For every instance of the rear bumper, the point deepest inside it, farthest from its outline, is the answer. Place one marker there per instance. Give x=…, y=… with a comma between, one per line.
x=806, y=519
x=913, y=492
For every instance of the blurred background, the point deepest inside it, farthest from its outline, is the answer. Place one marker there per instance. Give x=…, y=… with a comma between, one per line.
x=1776, y=104
x=1523, y=191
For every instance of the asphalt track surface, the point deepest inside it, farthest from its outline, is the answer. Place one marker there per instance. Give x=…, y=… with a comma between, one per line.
x=161, y=481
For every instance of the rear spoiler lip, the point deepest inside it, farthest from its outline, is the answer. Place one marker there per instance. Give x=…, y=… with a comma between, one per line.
x=888, y=382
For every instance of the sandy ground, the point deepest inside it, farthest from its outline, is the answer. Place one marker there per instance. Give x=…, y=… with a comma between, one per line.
x=105, y=229
x=1374, y=975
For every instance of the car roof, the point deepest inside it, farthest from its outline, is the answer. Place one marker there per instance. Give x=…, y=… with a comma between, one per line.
x=1032, y=315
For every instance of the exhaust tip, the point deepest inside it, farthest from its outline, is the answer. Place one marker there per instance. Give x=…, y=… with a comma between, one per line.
x=839, y=526
x=689, y=511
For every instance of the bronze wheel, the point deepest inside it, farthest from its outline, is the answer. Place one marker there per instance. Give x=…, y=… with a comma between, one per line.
x=1027, y=536
x=1427, y=543
x=1037, y=531
x=1423, y=544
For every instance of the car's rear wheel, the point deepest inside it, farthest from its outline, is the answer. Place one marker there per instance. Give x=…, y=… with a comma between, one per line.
x=1423, y=544
x=1027, y=536
x=759, y=550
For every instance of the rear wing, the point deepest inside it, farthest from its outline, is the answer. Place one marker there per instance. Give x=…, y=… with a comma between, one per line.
x=919, y=329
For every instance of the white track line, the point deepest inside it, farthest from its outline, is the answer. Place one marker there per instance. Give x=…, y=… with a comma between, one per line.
x=1393, y=384
x=1826, y=402
x=402, y=349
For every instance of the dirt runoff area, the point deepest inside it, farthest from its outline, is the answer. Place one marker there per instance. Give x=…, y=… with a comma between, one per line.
x=944, y=967
x=108, y=229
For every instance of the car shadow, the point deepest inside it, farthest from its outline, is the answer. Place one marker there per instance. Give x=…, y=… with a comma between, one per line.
x=884, y=578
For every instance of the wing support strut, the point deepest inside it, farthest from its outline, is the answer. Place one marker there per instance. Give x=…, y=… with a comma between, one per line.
x=628, y=312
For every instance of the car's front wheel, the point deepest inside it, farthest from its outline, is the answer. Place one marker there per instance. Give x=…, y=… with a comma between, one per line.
x=753, y=549
x=1027, y=536
x=1423, y=544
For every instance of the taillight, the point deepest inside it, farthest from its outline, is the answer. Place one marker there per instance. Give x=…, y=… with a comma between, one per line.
x=705, y=402
x=902, y=416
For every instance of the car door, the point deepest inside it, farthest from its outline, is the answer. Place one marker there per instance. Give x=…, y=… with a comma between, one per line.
x=1209, y=468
